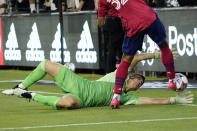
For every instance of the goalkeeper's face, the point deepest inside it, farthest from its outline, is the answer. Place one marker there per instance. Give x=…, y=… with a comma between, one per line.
x=134, y=82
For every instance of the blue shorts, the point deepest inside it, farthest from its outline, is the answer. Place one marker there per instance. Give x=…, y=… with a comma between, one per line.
x=156, y=32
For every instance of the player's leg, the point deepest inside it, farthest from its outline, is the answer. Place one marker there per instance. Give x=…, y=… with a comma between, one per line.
x=68, y=102
x=37, y=74
x=157, y=33
x=65, y=102
x=168, y=62
x=32, y=6
x=129, y=48
x=41, y=70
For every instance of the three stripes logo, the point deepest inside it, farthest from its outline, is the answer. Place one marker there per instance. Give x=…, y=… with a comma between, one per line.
x=86, y=52
x=55, y=54
x=34, y=45
x=12, y=53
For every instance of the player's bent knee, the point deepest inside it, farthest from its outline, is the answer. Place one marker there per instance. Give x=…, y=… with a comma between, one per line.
x=52, y=68
x=69, y=102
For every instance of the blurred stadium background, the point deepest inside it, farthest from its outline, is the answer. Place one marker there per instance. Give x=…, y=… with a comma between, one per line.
x=27, y=39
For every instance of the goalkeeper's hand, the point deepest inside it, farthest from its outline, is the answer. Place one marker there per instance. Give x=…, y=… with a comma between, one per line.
x=181, y=98
x=157, y=54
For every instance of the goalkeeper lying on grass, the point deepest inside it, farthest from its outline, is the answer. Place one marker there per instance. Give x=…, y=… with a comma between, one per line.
x=80, y=92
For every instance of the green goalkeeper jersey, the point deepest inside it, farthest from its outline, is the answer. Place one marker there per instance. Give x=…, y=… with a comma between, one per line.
x=90, y=93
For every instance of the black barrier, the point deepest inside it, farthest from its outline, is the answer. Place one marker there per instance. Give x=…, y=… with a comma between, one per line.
x=27, y=40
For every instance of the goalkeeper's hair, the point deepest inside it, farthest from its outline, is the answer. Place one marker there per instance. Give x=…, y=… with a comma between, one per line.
x=138, y=76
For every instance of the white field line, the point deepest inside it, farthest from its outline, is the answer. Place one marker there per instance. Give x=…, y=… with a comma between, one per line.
x=187, y=104
x=98, y=123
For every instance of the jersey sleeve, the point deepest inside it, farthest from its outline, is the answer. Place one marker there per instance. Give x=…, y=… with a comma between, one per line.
x=109, y=77
x=128, y=99
x=103, y=8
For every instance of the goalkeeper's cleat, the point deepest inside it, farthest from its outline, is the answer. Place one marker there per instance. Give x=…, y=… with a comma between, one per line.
x=115, y=103
x=18, y=92
x=8, y=92
x=172, y=85
x=12, y=91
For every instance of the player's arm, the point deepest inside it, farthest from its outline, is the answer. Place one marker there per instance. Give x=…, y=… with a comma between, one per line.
x=139, y=57
x=103, y=8
x=186, y=98
x=155, y=55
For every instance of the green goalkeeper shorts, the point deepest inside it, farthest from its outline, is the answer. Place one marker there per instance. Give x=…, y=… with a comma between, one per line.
x=68, y=81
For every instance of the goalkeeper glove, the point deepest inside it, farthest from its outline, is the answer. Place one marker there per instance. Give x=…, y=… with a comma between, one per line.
x=157, y=54
x=186, y=98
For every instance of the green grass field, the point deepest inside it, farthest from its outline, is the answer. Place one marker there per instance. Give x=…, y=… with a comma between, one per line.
x=20, y=114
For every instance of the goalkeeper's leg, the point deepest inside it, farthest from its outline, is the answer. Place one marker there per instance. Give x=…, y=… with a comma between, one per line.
x=37, y=74
x=66, y=102
x=45, y=67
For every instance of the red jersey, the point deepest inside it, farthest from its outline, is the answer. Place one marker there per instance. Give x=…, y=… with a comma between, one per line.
x=113, y=12
x=136, y=15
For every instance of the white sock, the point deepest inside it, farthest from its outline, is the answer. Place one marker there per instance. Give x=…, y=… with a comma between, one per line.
x=33, y=94
x=172, y=80
x=32, y=7
x=21, y=86
x=117, y=96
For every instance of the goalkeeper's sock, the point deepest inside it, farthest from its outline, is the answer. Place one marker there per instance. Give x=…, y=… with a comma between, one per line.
x=168, y=61
x=121, y=75
x=46, y=100
x=34, y=76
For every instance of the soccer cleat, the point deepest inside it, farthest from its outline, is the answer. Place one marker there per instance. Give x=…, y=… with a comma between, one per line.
x=172, y=84
x=115, y=104
x=8, y=92
x=18, y=92
x=14, y=91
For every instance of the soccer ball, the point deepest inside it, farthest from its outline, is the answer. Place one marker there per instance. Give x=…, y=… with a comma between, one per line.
x=181, y=82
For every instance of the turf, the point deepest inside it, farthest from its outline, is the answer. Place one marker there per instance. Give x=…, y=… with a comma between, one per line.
x=17, y=113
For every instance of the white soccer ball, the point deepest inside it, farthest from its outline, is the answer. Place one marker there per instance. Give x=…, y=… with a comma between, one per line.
x=181, y=82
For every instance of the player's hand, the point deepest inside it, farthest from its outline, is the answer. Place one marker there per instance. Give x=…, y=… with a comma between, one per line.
x=157, y=54
x=186, y=98
x=101, y=21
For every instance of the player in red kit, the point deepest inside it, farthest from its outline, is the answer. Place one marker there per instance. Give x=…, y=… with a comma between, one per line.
x=138, y=19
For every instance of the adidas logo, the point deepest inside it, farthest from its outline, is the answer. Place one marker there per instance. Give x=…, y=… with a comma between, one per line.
x=86, y=52
x=12, y=53
x=55, y=55
x=34, y=54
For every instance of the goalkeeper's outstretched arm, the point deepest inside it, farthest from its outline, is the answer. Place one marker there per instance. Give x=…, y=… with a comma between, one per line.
x=186, y=98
